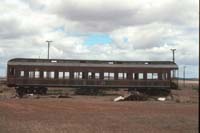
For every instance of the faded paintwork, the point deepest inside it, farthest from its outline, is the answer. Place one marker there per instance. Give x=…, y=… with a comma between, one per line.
x=93, y=66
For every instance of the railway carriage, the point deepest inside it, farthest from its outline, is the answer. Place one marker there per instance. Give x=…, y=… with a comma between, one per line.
x=36, y=75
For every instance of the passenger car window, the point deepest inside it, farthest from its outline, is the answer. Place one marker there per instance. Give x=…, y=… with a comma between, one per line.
x=60, y=75
x=37, y=74
x=44, y=74
x=21, y=73
x=89, y=75
x=122, y=75
x=155, y=75
x=66, y=75
x=52, y=74
x=78, y=75
x=108, y=76
x=31, y=74
x=141, y=76
x=97, y=75
x=133, y=76
x=12, y=71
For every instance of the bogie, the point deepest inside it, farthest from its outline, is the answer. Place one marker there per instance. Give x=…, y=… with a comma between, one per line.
x=21, y=91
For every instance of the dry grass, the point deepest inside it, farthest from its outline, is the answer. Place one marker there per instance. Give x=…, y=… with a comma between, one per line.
x=76, y=115
x=89, y=114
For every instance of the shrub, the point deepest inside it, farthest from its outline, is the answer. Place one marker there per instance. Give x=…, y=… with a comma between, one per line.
x=195, y=88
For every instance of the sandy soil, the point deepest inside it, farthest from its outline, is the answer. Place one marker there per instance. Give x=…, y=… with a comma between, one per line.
x=89, y=114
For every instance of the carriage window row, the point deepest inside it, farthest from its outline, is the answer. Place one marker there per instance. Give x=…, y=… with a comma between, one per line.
x=92, y=75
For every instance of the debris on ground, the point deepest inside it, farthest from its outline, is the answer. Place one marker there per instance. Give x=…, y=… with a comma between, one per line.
x=133, y=96
x=29, y=94
x=66, y=95
x=120, y=98
x=161, y=99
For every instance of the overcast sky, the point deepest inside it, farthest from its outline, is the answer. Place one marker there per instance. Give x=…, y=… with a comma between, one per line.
x=101, y=29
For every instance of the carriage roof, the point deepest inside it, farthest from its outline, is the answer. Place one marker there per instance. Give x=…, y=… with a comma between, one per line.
x=92, y=63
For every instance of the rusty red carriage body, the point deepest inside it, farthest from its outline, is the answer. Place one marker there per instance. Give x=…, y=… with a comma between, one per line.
x=42, y=73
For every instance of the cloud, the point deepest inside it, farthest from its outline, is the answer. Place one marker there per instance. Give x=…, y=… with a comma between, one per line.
x=137, y=30
x=105, y=16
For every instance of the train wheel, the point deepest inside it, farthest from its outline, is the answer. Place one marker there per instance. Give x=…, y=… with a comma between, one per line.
x=41, y=89
x=34, y=90
x=31, y=90
x=44, y=90
x=20, y=91
x=158, y=92
x=38, y=90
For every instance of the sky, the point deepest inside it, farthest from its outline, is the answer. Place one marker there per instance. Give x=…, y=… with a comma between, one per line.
x=101, y=29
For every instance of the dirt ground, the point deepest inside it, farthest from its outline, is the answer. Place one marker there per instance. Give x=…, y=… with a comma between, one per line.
x=99, y=114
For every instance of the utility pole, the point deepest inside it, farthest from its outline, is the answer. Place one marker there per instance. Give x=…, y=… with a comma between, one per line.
x=184, y=75
x=48, y=47
x=173, y=52
x=173, y=59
